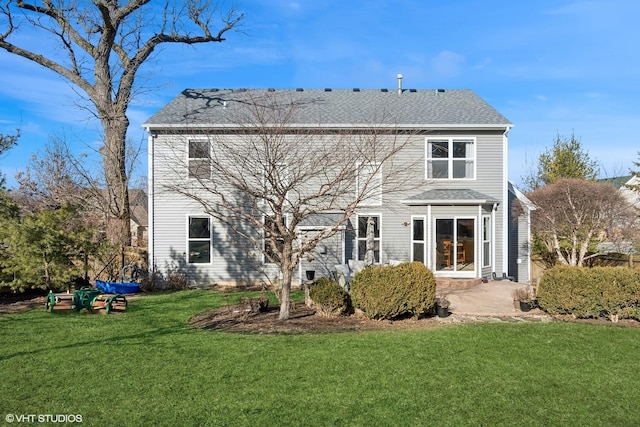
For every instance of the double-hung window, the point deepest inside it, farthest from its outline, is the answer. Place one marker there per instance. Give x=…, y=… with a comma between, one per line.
x=450, y=158
x=199, y=241
x=199, y=163
x=369, y=237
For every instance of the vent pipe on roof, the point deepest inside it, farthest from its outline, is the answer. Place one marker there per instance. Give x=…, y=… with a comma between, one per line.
x=399, y=84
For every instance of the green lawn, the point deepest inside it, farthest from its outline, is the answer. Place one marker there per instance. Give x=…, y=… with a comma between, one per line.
x=146, y=367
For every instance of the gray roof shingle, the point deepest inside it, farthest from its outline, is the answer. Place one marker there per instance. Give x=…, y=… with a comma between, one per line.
x=337, y=107
x=446, y=196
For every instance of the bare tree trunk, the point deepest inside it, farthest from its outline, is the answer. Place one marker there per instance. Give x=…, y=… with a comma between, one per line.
x=285, y=299
x=117, y=181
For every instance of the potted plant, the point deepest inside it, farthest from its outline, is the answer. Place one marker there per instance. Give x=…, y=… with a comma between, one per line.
x=525, y=297
x=442, y=306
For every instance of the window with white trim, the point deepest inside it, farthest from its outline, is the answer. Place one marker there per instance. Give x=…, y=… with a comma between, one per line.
x=369, y=184
x=486, y=241
x=199, y=163
x=199, y=240
x=369, y=232
x=450, y=158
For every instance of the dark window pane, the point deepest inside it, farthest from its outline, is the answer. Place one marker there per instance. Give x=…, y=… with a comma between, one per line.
x=199, y=252
x=439, y=149
x=418, y=229
x=460, y=149
x=199, y=228
x=198, y=149
x=362, y=227
x=418, y=252
x=440, y=169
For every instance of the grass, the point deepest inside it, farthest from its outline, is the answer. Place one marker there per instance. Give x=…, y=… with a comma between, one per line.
x=146, y=367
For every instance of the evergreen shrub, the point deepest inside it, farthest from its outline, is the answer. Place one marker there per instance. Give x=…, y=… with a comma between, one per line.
x=329, y=297
x=591, y=292
x=388, y=292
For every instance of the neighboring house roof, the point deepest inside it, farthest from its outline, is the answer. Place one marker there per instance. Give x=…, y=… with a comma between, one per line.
x=334, y=108
x=138, y=205
x=524, y=200
x=617, y=181
x=447, y=197
x=616, y=247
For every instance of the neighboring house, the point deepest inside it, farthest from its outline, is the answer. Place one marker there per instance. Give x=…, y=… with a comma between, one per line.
x=520, y=208
x=455, y=219
x=139, y=203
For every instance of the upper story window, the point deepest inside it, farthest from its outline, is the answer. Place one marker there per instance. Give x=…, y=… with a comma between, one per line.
x=450, y=158
x=369, y=184
x=199, y=164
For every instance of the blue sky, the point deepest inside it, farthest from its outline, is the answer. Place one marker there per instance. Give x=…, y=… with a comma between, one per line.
x=549, y=66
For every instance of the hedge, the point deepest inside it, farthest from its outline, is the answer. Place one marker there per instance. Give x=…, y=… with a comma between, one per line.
x=387, y=292
x=591, y=292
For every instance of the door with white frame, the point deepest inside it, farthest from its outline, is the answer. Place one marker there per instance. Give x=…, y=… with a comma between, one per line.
x=455, y=246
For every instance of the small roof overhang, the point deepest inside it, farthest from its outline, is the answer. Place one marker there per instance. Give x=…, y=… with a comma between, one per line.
x=450, y=197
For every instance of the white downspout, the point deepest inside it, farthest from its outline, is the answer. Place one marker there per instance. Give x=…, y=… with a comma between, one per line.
x=493, y=239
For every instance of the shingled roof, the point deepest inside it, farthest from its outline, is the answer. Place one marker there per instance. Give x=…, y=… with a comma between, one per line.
x=333, y=108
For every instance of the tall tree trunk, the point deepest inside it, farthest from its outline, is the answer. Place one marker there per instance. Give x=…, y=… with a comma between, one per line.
x=117, y=181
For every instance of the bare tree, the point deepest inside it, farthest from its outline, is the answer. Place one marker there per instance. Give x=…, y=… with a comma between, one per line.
x=573, y=214
x=267, y=177
x=8, y=141
x=104, y=44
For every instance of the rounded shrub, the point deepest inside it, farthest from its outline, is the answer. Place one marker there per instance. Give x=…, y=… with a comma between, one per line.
x=388, y=292
x=329, y=297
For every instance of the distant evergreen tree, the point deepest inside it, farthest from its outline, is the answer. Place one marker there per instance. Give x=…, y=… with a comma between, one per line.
x=566, y=159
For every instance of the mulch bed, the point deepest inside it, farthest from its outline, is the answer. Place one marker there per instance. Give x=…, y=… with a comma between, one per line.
x=302, y=319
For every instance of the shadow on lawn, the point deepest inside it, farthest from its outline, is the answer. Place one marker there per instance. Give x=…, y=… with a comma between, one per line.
x=161, y=332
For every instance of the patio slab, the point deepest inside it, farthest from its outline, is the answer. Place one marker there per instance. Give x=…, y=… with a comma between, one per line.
x=492, y=299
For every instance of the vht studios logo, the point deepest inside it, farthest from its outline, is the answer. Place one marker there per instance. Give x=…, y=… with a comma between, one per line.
x=43, y=418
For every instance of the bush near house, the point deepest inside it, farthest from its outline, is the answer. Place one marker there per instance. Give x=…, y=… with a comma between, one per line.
x=329, y=297
x=387, y=292
x=591, y=292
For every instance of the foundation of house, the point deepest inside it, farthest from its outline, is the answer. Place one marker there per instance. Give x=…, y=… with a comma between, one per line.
x=449, y=284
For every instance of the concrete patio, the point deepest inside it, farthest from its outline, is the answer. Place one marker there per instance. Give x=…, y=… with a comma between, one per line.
x=492, y=300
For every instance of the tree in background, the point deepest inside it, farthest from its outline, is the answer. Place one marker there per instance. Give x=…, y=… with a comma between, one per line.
x=6, y=142
x=105, y=44
x=574, y=214
x=44, y=249
x=269, y=178
x=566, y=159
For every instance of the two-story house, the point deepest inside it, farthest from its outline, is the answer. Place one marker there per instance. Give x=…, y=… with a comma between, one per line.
x=454, y=217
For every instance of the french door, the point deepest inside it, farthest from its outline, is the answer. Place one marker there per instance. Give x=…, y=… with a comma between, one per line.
x=455, y=246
